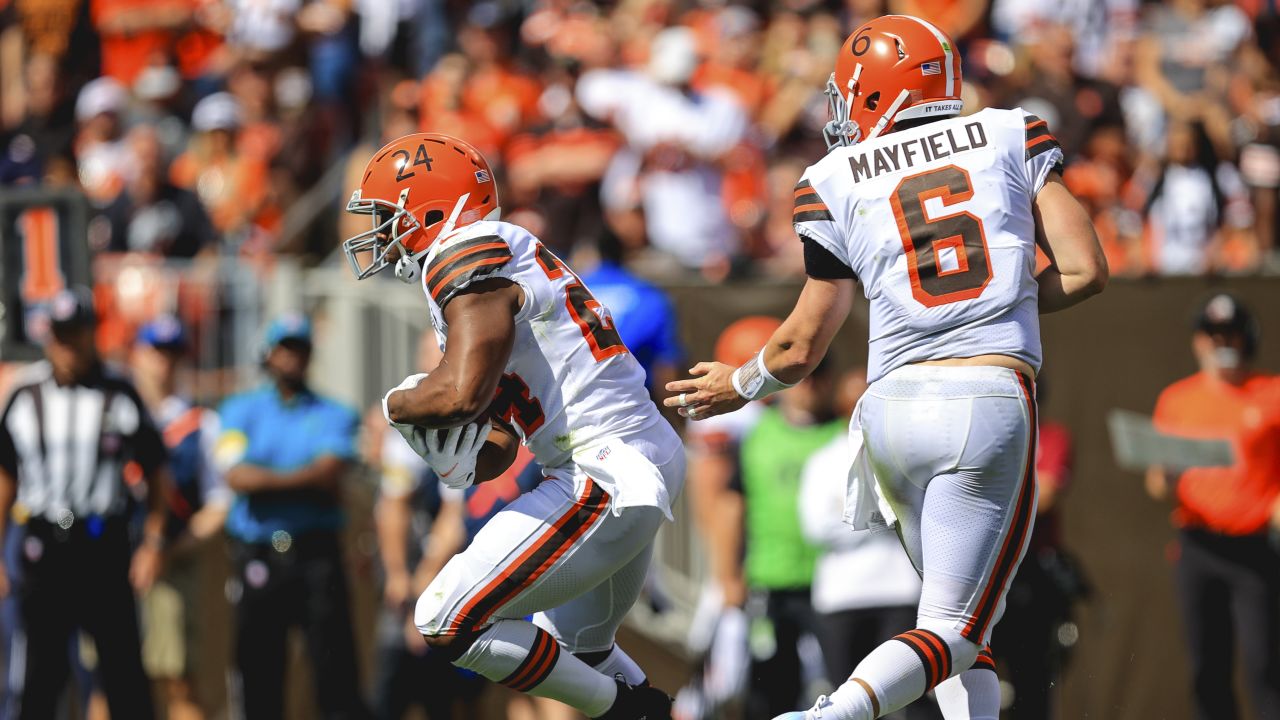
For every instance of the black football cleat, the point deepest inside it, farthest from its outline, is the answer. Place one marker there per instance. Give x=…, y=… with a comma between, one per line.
x=639, y=702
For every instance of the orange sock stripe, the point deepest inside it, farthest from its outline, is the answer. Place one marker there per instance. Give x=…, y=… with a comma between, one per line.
x=940, y=647
x=928, y=658
x=532, y=663
x=547, y=667
x=536, y=668
x=985, y=661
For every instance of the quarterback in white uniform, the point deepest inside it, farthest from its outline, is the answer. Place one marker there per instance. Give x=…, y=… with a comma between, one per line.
x=938, y=217
x=530, y=352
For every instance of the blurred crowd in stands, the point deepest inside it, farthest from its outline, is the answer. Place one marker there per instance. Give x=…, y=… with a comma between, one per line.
x=678, y=127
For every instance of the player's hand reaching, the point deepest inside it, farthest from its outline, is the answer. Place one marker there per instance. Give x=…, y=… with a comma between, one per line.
x=707, y=394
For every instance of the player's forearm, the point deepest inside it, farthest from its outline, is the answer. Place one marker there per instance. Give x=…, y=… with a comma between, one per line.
x=483, y=333
x=802, y=341
x=444, y=399
x=1077, y=266
x=1059, y=290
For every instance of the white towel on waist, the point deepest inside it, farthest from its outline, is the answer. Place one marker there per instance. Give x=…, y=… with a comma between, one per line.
x=865, y=506
x=629, y=477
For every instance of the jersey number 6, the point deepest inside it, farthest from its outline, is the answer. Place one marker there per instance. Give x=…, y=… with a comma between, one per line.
x=946, y=256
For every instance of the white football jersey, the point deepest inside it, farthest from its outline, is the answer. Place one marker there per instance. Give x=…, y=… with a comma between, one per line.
x=936, y=221
x=570, y=380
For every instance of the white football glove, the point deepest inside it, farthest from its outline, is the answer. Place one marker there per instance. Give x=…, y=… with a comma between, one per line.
x=452, y=453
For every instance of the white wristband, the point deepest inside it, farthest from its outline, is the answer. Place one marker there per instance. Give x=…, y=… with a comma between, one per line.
x=753, y=380
x=407, y=384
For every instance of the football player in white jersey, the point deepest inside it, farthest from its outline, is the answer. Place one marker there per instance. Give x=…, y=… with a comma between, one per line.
x=527, y=347
x=938, y=217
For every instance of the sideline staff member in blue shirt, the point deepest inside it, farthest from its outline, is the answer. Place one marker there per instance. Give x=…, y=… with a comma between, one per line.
x=285, y=451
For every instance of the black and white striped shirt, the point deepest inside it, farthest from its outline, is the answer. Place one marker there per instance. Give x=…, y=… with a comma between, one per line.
x=67, y=446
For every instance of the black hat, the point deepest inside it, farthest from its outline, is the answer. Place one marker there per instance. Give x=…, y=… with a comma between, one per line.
x=72, y=307
x=1223, y=312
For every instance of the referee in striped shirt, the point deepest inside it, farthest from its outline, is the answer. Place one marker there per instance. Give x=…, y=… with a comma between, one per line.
x=67, y=433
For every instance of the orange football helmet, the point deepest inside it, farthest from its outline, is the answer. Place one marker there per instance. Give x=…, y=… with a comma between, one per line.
x=896, y=67
x=417, y=189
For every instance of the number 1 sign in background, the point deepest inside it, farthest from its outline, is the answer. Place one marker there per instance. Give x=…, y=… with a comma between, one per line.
x=43, y=249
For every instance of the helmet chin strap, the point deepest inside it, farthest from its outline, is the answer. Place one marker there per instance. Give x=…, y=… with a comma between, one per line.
x=408, y=267
x=888, y=115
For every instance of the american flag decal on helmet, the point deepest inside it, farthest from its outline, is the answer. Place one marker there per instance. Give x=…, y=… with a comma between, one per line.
x=932, y=67
x=482, y=176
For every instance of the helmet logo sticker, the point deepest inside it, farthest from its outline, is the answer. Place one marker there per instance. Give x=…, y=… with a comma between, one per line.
x=933, y=67
x=482, y=176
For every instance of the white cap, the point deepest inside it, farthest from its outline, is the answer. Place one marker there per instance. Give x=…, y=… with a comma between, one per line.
x=219, y=111
x=673, y=56
x=100, y=95
x=157, y=82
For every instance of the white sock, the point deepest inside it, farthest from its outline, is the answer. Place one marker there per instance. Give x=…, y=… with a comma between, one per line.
x=901, y=670
x=620, y=663
x=973, y=694
x=887, y=679
x=526, y=658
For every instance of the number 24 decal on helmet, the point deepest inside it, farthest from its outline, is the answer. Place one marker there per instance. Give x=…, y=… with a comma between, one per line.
x=416, y=189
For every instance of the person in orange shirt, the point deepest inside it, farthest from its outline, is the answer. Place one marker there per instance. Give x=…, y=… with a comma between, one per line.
x=135, y=32
x=1228, y=570
x=232, y=185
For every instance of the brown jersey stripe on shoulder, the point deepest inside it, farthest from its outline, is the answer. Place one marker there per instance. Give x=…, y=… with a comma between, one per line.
x=463, y=256
x=1041, y=145
x=811, y=215
x=453, y=253
x=808, y=204
x=447, y=285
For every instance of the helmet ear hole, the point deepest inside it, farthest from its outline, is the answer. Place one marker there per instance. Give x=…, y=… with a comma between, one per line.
x=432, y=217
x=872, y=101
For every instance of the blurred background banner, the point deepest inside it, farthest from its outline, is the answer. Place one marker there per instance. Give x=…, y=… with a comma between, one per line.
x=42, y=238
x=1138, y=445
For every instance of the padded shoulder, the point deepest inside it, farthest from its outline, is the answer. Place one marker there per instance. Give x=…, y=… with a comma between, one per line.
x=464, y=262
